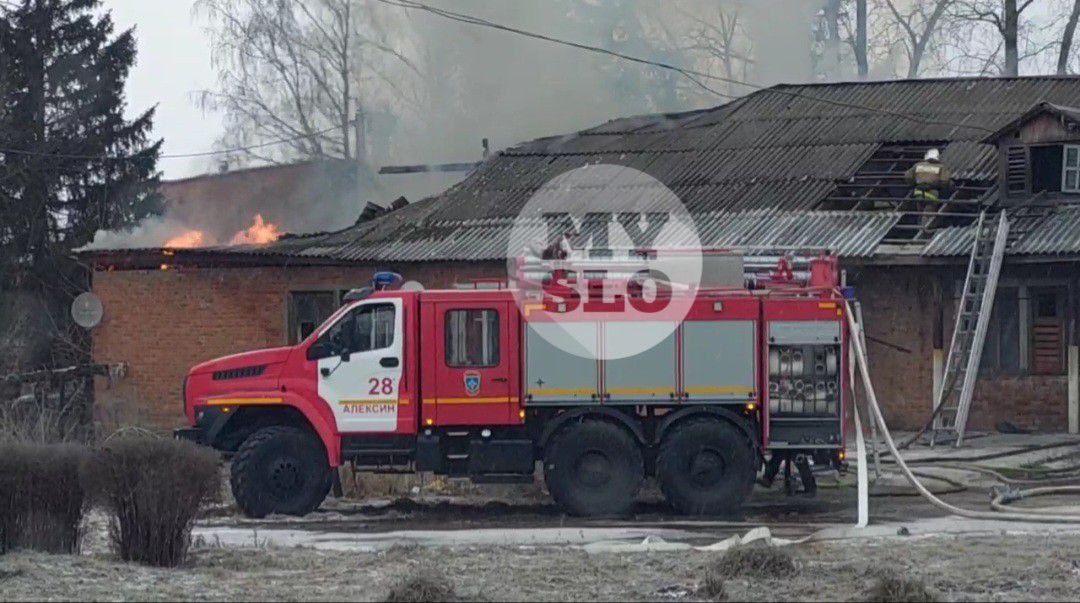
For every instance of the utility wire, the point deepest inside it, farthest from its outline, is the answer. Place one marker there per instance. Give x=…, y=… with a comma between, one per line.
x=693, y=75
x=689, y=73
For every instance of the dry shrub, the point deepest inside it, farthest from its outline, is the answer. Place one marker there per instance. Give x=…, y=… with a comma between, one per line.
x=41, y=497
x=713, y=587
x=43, y=419
x=153, y=489
x=895, y=589
x=755, y=562
x=425, y=585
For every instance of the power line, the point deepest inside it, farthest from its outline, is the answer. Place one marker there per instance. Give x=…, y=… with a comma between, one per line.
x=688, y=73
x=174, y=155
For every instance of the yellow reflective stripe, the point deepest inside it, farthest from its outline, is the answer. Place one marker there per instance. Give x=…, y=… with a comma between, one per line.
x=242, y=401
x=554, y=391
x=529, y=308
x=495, y=400
x=734, y=389
x=639, y=390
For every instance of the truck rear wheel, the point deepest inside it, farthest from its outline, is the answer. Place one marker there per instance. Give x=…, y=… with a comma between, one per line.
x=705, y=467
x=280, y=470
x=593, y=468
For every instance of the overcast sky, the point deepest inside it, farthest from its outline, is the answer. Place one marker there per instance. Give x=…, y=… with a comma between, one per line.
x=173, y=63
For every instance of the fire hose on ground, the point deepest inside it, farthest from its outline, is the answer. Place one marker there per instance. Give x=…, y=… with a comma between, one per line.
x=1002, y=498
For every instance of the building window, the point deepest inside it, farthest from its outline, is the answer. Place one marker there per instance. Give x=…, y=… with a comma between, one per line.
x=1070, y=173
x=1001, y=350
x=1026, y=333
x=308, y=310
x=472, y=338
x=1047, y=330
x=1046, y=162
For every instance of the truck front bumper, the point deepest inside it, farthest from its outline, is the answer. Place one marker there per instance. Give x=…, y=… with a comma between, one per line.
x=190, y=434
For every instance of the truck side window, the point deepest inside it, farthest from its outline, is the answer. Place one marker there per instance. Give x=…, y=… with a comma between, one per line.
x=363, y=329
x=472, y=338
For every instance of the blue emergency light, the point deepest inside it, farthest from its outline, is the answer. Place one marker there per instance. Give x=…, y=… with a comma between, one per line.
x=386, y=280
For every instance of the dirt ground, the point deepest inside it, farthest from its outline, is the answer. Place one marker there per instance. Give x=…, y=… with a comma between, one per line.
x=512, y=543
x=1045, y=568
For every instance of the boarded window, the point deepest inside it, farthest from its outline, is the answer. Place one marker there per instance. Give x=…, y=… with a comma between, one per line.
x=472, y=338
x=1017, y=170
x=1047, y=331
x=1070, y=173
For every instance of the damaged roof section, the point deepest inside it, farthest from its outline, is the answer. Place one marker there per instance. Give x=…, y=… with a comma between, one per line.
x=752, y=172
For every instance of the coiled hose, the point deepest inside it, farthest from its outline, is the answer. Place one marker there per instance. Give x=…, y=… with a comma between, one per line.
x=1000, y=501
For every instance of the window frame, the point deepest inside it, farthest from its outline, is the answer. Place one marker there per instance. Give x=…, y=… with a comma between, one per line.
x=1025, y=313
x=350, y=316
x=497, y=337
x=1066, y=169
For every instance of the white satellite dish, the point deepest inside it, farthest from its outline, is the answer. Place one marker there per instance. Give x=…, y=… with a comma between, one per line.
x=412, y=286
x=86, y=310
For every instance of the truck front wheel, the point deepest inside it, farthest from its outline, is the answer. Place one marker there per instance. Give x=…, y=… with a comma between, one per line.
x=280, y=470
x=593, y=468
x=705, y=467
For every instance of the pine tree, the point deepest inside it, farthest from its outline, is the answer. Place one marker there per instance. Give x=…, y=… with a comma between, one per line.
x=70, y=163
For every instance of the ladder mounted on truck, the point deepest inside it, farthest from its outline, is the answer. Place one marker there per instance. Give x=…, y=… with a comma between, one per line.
x=952, y=403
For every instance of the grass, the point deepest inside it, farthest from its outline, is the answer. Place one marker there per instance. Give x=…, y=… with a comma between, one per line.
x=425, y=585
x=896, y=589
x=713, y=587
x=754, y=562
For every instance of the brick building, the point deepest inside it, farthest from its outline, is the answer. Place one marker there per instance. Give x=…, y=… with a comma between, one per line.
x=785, y=168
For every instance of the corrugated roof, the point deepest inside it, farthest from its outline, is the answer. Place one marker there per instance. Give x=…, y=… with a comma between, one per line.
x=851, y=234
x=767, y=157
x=1054, y=234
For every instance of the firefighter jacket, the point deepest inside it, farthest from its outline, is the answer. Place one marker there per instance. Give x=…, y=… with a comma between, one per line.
x=929, y=175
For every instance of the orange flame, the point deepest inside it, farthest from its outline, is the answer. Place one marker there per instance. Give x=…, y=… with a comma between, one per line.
x=191, y=238
x=259, y=233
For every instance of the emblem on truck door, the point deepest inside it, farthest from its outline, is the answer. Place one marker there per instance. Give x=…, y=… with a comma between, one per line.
x=472, y=383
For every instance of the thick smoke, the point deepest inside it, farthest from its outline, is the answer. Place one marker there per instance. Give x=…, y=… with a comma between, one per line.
x=472, y=83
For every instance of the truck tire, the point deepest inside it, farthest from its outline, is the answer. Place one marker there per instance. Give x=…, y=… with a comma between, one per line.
x=593, y=468
x=280, y=470
x=706, y=467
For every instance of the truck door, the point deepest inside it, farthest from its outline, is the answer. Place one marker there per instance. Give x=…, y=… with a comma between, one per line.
x=359, y=368
x=477, y=367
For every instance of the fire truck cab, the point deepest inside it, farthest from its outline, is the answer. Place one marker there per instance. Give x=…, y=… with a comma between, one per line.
x=468, y=383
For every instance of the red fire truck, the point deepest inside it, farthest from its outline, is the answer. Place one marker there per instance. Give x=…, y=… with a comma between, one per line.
x=470, y=383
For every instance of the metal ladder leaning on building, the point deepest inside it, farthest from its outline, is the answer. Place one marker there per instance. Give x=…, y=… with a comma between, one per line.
x=953, y=402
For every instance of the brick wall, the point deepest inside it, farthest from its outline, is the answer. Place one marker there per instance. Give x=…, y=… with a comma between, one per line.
x=161, y=323
x=899, y=305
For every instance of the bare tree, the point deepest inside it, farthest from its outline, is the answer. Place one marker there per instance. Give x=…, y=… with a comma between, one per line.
x=1064, y=53
x=862, y=60
x=720, y=39
x=300, y=70
x=1004, y=16
x=917, y=25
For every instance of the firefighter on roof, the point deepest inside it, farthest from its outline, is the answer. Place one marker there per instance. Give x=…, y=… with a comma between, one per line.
x=929, y=177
